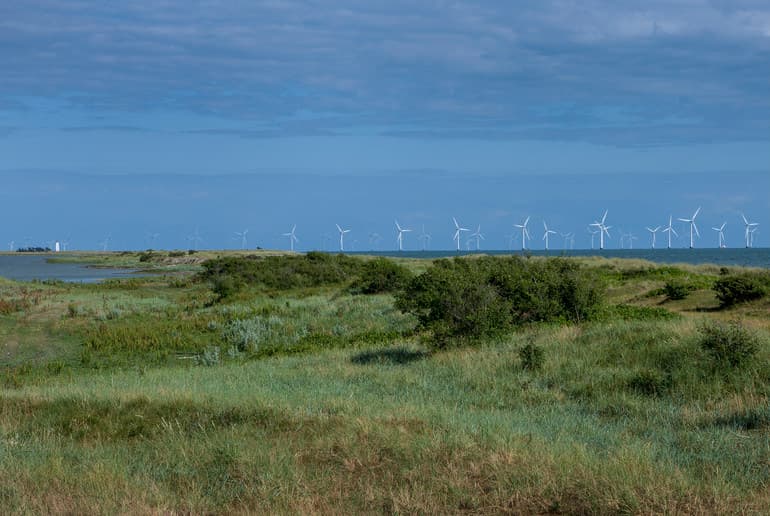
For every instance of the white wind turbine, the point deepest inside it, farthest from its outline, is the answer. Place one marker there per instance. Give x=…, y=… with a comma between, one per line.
x=670, y=229
x=424, y=238
x=195, y=239
x=751, y=236
x=400, y=237
x=593, y=234
x=721, y=231
x=11, y=245
x=568, y=237
x=631, y=237
x=524, y=233
x=342, y=236
x=374, y=239
x=458, y=230
x=693, y=227
x=105, y=244
x=242, y=236
x=292, y=237
x=479, y=236
x=603, y=229
x=749, y=230
x=653, y=232
x=546, y=233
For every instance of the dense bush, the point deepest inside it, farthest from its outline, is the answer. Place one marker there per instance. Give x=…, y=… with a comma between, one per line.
x=732, y=289
x=283, y=272
x=381, y=275
x=729, y=344
x=469, y=298
x=676, y=289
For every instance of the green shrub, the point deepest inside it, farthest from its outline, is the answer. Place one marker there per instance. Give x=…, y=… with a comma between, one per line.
x=381, y=275
x=283, y=272
x=472, y=298
x=729, y=344
x=532, y=357
x=677, y=289
x=739, y=288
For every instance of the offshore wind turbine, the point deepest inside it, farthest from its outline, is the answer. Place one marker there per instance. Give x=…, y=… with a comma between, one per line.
x=342, y=236
x=721, y=231
x=749, y=225
x=478, y=235
x=524, y=233
x=458, y=230
x=292, y=237
x=374, y=239
x=242, y=236
x=670, y=229
x=546, y=233
x=603, y=229
x=751, y=236
x=653, y=232
x=424, y=238
x=568, y=237
x=593, y=234
x=400, y=237
x=631, y=237
x=693, y=227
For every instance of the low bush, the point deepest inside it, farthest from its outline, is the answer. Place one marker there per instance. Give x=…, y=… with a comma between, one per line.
x=381, y=275
x=283, y=272
x=729, y=344
x=471, y=298
x=676, y=289
x=739, y=288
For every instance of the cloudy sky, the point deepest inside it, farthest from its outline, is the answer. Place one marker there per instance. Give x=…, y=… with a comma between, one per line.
x=134, y=118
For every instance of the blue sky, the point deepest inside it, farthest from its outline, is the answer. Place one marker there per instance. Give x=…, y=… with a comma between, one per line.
x=134, y=118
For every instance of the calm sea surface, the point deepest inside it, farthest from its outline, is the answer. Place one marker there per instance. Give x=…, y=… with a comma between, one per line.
x=742, y=257
x=36, y=267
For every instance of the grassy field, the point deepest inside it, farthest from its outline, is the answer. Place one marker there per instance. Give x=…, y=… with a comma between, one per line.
x=160, y=395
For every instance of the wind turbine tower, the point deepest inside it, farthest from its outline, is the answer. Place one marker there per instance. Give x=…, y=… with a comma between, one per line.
x=750, y=228
x=478, y=235
x=242, y=235
x=458, y=230
x=400, y=237
x=292, y=237
x=670, y=229
x=524, y=233
x=653, y=232
x=693, y=227
x=721, y=231
x=342, y=237
x=603, y=229
x=546, y=233
x=424, y=238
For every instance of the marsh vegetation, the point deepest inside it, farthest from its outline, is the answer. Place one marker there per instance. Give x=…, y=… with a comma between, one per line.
x=329, y=384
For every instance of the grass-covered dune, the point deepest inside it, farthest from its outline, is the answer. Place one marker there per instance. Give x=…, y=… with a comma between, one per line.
x=323, y=384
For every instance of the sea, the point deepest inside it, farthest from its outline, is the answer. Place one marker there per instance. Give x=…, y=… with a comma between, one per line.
x=754, y=257
x=37, y=267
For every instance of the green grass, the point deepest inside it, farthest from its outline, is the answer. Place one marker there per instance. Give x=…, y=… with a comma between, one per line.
x=339, y=407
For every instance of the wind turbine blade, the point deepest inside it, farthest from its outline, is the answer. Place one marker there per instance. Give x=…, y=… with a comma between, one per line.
x=604, y=217
x=526, y=221
x=673, y=231
x=338, y=228
x=455, y=221
x=696, y=213
x=696, y=228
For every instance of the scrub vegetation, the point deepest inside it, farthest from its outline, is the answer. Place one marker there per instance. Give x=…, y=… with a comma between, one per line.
x=324, y=383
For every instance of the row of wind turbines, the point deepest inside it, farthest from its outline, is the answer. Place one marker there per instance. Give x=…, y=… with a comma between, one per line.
x=598, y=227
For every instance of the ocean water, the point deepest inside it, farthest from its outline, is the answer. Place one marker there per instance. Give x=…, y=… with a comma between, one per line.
x=36, y=267
x=756, y=257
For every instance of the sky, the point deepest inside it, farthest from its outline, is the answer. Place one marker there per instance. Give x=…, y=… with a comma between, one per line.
x=175, y=124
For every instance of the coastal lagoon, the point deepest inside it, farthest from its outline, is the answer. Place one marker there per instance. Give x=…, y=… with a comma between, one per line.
x=23, y=267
